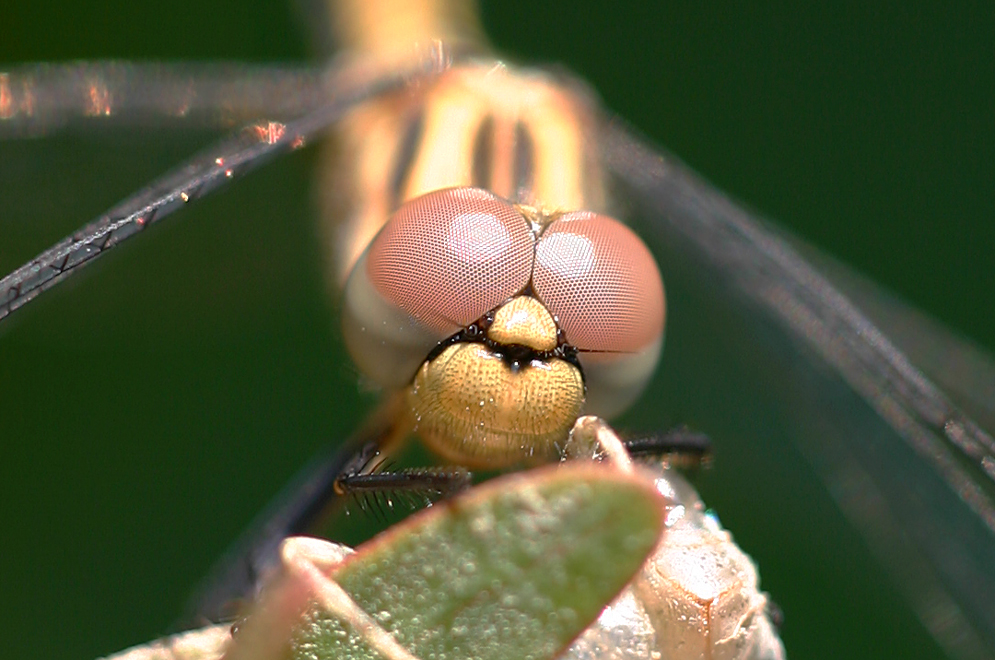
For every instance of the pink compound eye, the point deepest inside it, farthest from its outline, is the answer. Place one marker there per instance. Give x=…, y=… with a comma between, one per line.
x=448, y=257
x=600, y=282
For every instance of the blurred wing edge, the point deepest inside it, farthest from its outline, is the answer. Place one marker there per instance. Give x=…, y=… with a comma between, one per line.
x=761, y=264
x=346, y=86
x=962, y=368
x=43, y=98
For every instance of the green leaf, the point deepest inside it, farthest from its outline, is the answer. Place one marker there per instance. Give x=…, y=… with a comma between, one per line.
x=516, y=568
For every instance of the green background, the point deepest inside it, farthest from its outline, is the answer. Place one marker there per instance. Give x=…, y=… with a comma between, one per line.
x=148, y=410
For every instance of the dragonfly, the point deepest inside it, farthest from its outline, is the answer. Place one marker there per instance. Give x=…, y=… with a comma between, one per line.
x=157, y=356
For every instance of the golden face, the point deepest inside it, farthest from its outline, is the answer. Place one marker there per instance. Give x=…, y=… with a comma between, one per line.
x=473, y=409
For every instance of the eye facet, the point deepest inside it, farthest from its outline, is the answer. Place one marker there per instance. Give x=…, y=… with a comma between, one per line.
x=600, y=282
x=450, y=256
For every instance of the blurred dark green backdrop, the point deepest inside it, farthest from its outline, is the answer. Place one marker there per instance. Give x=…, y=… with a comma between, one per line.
x=149, y=410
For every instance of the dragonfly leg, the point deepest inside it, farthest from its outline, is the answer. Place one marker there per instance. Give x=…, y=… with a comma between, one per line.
x=592, y=437
x=679, y=447
x=418, y=486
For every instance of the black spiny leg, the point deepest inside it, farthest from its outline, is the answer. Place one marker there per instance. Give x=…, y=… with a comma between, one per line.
x=679, y=447
x=367, y=481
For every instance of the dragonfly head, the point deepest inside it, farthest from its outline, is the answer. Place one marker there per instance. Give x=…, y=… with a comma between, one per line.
x=503, y=323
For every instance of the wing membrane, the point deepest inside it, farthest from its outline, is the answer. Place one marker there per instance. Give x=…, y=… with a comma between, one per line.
x=38, y=99
x=910, y=468
x=964, y=370
x=199, y=176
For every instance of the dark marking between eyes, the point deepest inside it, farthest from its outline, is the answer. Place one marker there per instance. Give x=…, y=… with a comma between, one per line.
x=523, y=176
x=483, y=154
x=410, y=145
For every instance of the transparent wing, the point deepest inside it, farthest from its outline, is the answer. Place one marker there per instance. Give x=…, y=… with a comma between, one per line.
x=38, y=99
x=245, y=265
x=910, y=468
x=199, y=176
x=961, y=368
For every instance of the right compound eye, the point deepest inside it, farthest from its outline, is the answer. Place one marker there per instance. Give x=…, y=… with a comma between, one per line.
x=440, y=263
x=448, y=257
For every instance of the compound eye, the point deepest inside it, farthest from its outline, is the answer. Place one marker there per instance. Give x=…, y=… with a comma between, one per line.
x=448, y=257
x=600, y=282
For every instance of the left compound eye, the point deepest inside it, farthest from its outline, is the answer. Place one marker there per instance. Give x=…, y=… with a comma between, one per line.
x=601, y=284
x=450, y=256
x=440, y=263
